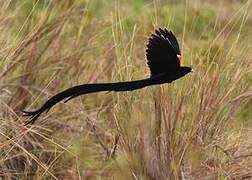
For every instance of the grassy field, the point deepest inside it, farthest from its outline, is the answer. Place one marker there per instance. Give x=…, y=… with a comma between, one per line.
x=198, y=127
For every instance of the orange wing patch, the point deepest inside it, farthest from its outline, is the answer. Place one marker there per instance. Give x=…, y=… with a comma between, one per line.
x=179, y=59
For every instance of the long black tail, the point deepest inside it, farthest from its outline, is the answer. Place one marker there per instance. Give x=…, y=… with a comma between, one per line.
x=85, y=89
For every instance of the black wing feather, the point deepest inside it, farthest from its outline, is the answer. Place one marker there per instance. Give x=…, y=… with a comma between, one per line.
x=162, y=50
x=173, y=41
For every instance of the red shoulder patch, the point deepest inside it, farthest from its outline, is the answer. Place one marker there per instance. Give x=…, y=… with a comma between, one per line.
x=179, y=59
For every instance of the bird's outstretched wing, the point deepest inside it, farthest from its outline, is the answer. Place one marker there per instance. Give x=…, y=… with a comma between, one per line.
x=162, y=52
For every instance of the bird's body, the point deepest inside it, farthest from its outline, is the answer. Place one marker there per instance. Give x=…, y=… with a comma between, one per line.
x=164, y=60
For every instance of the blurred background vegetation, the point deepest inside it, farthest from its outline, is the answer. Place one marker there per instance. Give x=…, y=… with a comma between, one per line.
x=198, y=127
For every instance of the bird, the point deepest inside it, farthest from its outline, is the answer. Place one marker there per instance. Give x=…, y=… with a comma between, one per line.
x=163, y=58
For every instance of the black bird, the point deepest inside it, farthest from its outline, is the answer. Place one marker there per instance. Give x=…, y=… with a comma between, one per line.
x=164, y=60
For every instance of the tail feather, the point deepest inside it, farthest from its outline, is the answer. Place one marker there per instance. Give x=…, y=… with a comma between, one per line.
x=33, y=115
x=75, y=91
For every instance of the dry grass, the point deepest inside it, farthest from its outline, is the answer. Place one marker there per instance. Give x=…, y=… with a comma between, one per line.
x=195, y=128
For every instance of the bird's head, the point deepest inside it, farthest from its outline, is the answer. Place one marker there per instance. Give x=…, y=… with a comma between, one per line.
x=185, y=70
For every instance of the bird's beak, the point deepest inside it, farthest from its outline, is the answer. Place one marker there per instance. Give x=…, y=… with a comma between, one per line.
x=192, y=70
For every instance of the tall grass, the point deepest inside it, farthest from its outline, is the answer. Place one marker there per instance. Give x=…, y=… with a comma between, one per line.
x=197, y=127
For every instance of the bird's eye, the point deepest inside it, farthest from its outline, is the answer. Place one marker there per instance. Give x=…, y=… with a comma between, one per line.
x=179, y=58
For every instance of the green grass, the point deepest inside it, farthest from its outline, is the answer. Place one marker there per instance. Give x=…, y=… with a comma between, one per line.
x=197, y=127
